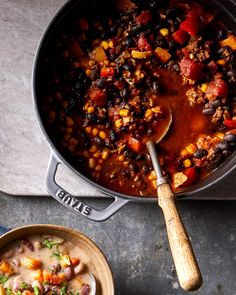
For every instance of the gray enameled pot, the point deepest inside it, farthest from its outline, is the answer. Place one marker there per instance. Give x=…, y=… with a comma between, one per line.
x=226, y=10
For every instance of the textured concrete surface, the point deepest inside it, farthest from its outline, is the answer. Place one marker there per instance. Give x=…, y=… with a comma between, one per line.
x=134, y=240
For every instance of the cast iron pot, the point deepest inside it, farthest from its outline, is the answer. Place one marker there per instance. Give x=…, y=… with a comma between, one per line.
x=225, y=11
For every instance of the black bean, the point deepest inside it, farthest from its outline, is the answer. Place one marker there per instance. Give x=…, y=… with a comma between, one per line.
x=231, y=138
x=128, y=67
x=149, y=131
x=173, y=12
x=130, y=42
x=208, y=111
x=156, y=87
x=129, y=154
x=95, y=72
x=200, y=153
x=145, y=169
x=101, y=82
x=226, y=153
x=139, y=157
x=215, y=103
x=123, y=128
x=124, y=93
x=98, y=141
x=222, y=145
x=112, y=135
x=222, y=34
x=133, y=167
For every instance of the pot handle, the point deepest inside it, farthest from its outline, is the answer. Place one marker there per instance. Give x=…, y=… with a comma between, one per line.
x=73, y=203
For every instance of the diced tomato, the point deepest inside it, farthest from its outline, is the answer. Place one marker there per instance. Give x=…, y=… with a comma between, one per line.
x=98, y=96
x=144, y=17
x=134, y=144
x=191, y=25
x=217, y=88
x=185, y=52
x=180, y=36
x=192, y=175
x=212, y=66
x=107, y=72
x=143, y=43
x=196, y=20
x=230, y=123
x=191, y=69
x=75, y=261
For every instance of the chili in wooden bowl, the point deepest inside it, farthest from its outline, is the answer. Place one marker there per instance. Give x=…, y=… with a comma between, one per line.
x=105, y=75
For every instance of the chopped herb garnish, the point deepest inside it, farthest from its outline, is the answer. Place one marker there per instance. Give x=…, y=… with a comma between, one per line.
x=48, y=244
x=36, y=290
x=8, y=291
x=18, y=292
x=63, y=290
x=24, y=286
x=57, y=255
x=3, y=279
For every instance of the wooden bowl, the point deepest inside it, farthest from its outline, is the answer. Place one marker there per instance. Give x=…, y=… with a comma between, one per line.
x=97, y=263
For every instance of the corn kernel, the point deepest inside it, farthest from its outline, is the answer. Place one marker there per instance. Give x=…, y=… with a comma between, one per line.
x=86, y=154
x=90, y=110
x=86, y=106
x=184, y=153
x=98, y=168
x=88, y=129
x=69, y=121
x=96, y=155
x=154, y=183
x=124, y=112
x=156, y=110
x=118, y=123
x=204, y=87
x=221, y=62
x=220, y=135
x=164, y=32
x=105, y=45
x=121, y=158
x=95, y=132
x=191, y=148
x=111, y=44
x=102, y=134
x=105, y=155
x=106, y=63
x=88, y=72
x=92, y=163
x=152, y=175
x=91, y=63
x=187, y=163
x=148, y=114
x=93, y=149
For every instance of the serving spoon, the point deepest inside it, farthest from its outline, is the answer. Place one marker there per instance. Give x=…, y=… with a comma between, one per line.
x=92, y=284
x=186, y=265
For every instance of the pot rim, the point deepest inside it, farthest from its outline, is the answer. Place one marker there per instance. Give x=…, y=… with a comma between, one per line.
x=214, y=178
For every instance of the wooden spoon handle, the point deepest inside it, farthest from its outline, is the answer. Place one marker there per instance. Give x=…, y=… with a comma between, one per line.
x=186, y=265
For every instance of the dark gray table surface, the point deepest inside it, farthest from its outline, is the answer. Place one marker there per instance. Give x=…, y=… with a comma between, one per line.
x=134, y=240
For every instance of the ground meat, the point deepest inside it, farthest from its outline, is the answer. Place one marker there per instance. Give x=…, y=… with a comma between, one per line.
x=195, y=96
x=199, y=50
